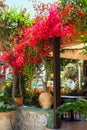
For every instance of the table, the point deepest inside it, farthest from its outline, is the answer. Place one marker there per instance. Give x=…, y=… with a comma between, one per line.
x=72, y=97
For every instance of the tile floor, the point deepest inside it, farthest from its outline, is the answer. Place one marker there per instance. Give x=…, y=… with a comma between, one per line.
x=76, y=125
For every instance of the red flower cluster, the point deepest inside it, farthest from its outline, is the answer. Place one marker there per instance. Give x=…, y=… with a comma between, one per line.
x=33, y=42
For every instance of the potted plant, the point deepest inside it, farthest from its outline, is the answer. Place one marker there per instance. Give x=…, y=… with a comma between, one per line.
x=18, y=99
x=45, y=97
x=39, y=71
x=12, y=26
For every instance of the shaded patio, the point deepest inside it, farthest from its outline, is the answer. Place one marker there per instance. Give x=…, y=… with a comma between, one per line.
x=71, y=51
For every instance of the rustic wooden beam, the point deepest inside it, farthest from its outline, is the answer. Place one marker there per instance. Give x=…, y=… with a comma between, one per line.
x=57, y=96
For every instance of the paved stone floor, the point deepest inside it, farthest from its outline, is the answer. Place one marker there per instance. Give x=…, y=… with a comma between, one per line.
x=76, y=125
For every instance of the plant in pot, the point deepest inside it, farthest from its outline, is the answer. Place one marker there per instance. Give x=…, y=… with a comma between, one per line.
x=40, y=71
x=44, y=74
x=18, y=99
x=17, y=93
x=12, y=21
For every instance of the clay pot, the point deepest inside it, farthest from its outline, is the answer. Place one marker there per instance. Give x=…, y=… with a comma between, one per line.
x=18, y=101
x=46, y=100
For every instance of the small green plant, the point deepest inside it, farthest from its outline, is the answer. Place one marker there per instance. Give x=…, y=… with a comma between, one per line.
x=31, y=98
x=17, y=95
x=6, y=103
x=9, y=82
x=5, y=107
x=78, y=105
x=11, y=21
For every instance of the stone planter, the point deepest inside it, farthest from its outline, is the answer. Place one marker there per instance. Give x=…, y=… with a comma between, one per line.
x=7, y=120
x=46, y=100
x=33, y=118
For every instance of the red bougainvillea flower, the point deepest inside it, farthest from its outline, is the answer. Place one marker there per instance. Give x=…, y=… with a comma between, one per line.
x=5, y=56
x=32, y=43
x=20, y=60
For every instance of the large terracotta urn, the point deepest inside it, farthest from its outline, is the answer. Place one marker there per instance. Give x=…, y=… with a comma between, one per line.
x=46, y=100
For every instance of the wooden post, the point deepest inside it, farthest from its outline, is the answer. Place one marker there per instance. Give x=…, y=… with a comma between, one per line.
x=57, y=96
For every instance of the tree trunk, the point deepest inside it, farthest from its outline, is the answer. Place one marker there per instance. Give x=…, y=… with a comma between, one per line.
x=45, y=86
x=17, y=87
x=20, y=86
x=15, y=83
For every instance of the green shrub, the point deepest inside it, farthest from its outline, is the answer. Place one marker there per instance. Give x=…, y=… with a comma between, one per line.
x=78, y=105
x=6, y=102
